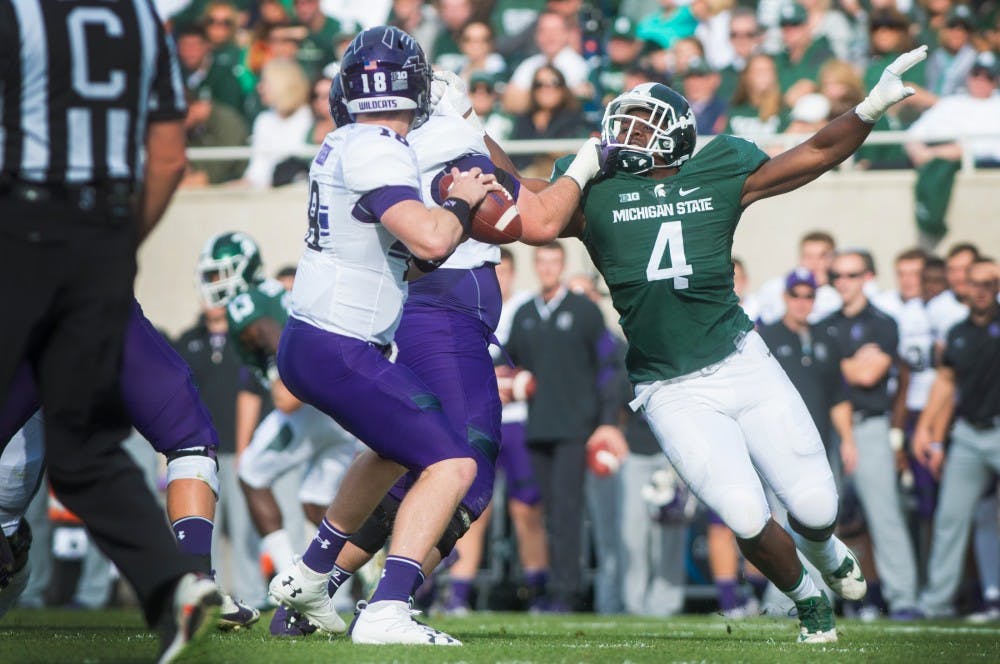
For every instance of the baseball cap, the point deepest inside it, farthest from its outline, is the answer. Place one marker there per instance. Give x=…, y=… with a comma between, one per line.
x=960, y=15
x=698, y=67
x=888, y=17
x=811, y=108
x=482, y=78
x=623, y=28
x=800, y=277
x=986, y=63
x=792, y=13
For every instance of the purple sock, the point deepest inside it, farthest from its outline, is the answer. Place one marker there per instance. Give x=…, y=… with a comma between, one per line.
x=194, y=537
x=536, y=580
x=461, y=591
x=338, y=577
x=728, y=597
x=417, y=583
x=399, y=578
x=324, y=548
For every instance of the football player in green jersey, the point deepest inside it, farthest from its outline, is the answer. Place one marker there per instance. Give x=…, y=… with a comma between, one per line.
x=659, y=226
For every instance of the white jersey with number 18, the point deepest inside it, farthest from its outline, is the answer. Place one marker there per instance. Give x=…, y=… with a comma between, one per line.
x=350, y=278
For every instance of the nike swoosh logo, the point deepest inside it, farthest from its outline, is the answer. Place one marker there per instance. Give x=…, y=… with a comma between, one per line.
x=684, y=192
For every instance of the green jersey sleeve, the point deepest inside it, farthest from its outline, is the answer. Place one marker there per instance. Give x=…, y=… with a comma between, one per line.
x=266, y=300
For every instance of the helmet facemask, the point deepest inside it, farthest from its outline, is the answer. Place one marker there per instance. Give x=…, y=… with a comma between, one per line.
x=221, y=279
x=669, y=141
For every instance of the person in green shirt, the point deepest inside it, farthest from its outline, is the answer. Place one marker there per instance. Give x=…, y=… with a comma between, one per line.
x=658, y=222
x=802, y=56
x=756, y=110
x=317, y=49
x=202, y=76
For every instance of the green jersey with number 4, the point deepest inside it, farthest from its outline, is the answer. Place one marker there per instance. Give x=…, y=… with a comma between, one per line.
x=267, y=299
x=665, y=250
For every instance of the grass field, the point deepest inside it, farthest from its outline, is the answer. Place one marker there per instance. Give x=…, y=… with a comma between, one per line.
x=117, y=636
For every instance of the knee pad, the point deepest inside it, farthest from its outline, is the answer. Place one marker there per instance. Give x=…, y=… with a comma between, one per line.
x=745, y=513
x=813, y=512
x=458, y=526
x=375, y=531
x=194, y=463
x=813, y=534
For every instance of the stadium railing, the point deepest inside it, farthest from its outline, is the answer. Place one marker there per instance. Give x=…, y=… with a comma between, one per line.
x=570, y=145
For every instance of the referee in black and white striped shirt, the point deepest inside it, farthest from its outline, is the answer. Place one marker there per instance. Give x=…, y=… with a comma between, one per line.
x=91, y=150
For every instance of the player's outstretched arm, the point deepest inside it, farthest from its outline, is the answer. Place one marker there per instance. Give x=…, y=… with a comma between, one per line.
x=548, y=209
x=836, y=141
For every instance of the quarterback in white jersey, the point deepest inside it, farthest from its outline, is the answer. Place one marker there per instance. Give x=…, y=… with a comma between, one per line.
x=366, y=221
x=350, y=279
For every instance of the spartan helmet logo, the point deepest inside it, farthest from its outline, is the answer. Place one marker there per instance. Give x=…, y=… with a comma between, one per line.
x=660, y=190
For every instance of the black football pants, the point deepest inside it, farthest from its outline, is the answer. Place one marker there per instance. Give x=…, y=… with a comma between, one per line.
x=68, y=276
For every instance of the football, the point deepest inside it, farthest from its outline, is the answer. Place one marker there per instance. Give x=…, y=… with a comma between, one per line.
x=515, y=384
x=602, y=461
x=495, y=220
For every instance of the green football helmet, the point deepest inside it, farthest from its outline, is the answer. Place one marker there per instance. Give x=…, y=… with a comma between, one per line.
x=229, y=264
x=669, y=131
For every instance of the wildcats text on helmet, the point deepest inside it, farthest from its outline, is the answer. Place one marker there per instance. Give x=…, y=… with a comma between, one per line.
x=363, y=105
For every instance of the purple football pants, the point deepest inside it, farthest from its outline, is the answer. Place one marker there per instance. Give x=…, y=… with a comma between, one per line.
x=444, y=337
x=157, y=387
x=383, y=403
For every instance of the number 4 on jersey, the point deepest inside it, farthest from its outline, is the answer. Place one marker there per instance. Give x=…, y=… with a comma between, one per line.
x=669, y=236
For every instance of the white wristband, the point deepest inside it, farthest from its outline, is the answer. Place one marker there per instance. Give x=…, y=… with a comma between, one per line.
x=896, y=439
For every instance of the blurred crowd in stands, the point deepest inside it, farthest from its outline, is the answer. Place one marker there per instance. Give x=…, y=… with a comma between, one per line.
x=258, y=71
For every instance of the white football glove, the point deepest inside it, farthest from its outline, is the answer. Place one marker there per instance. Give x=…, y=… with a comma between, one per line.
x=449, y=85
x=587, y=163
x=890, y=88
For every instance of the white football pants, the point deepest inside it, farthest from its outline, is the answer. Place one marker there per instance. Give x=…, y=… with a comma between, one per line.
x=718, y=424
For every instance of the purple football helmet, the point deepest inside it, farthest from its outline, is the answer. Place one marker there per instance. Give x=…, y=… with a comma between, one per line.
x=338, y=106
x=384, y=69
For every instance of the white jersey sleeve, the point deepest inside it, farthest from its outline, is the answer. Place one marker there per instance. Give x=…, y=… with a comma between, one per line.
x=916, y=347
x=945, y=311
x=350, y=276
x=441, y=140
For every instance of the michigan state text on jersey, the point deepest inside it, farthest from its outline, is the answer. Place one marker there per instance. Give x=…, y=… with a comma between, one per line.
x=664, y=249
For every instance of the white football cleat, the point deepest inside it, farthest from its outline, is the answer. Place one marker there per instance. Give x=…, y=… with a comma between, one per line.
x=391, y=622
x=847, y=581
x=304, y=590
x=194, y=606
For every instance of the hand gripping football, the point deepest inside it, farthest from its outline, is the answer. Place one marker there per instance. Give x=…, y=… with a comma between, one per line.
x=601, y=460
x=496, y=220
x=515, y=384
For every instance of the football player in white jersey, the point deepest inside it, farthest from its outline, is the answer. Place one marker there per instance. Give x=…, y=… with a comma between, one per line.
x=367, y=220
x=949, y=307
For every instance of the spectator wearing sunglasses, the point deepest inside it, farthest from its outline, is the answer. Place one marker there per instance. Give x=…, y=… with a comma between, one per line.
x=746, y=39
x=553, y=112
x=866, y=341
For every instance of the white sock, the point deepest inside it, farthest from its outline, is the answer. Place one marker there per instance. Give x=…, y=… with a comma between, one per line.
x=804, y=590
x=826, y=556
x=278, y=545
